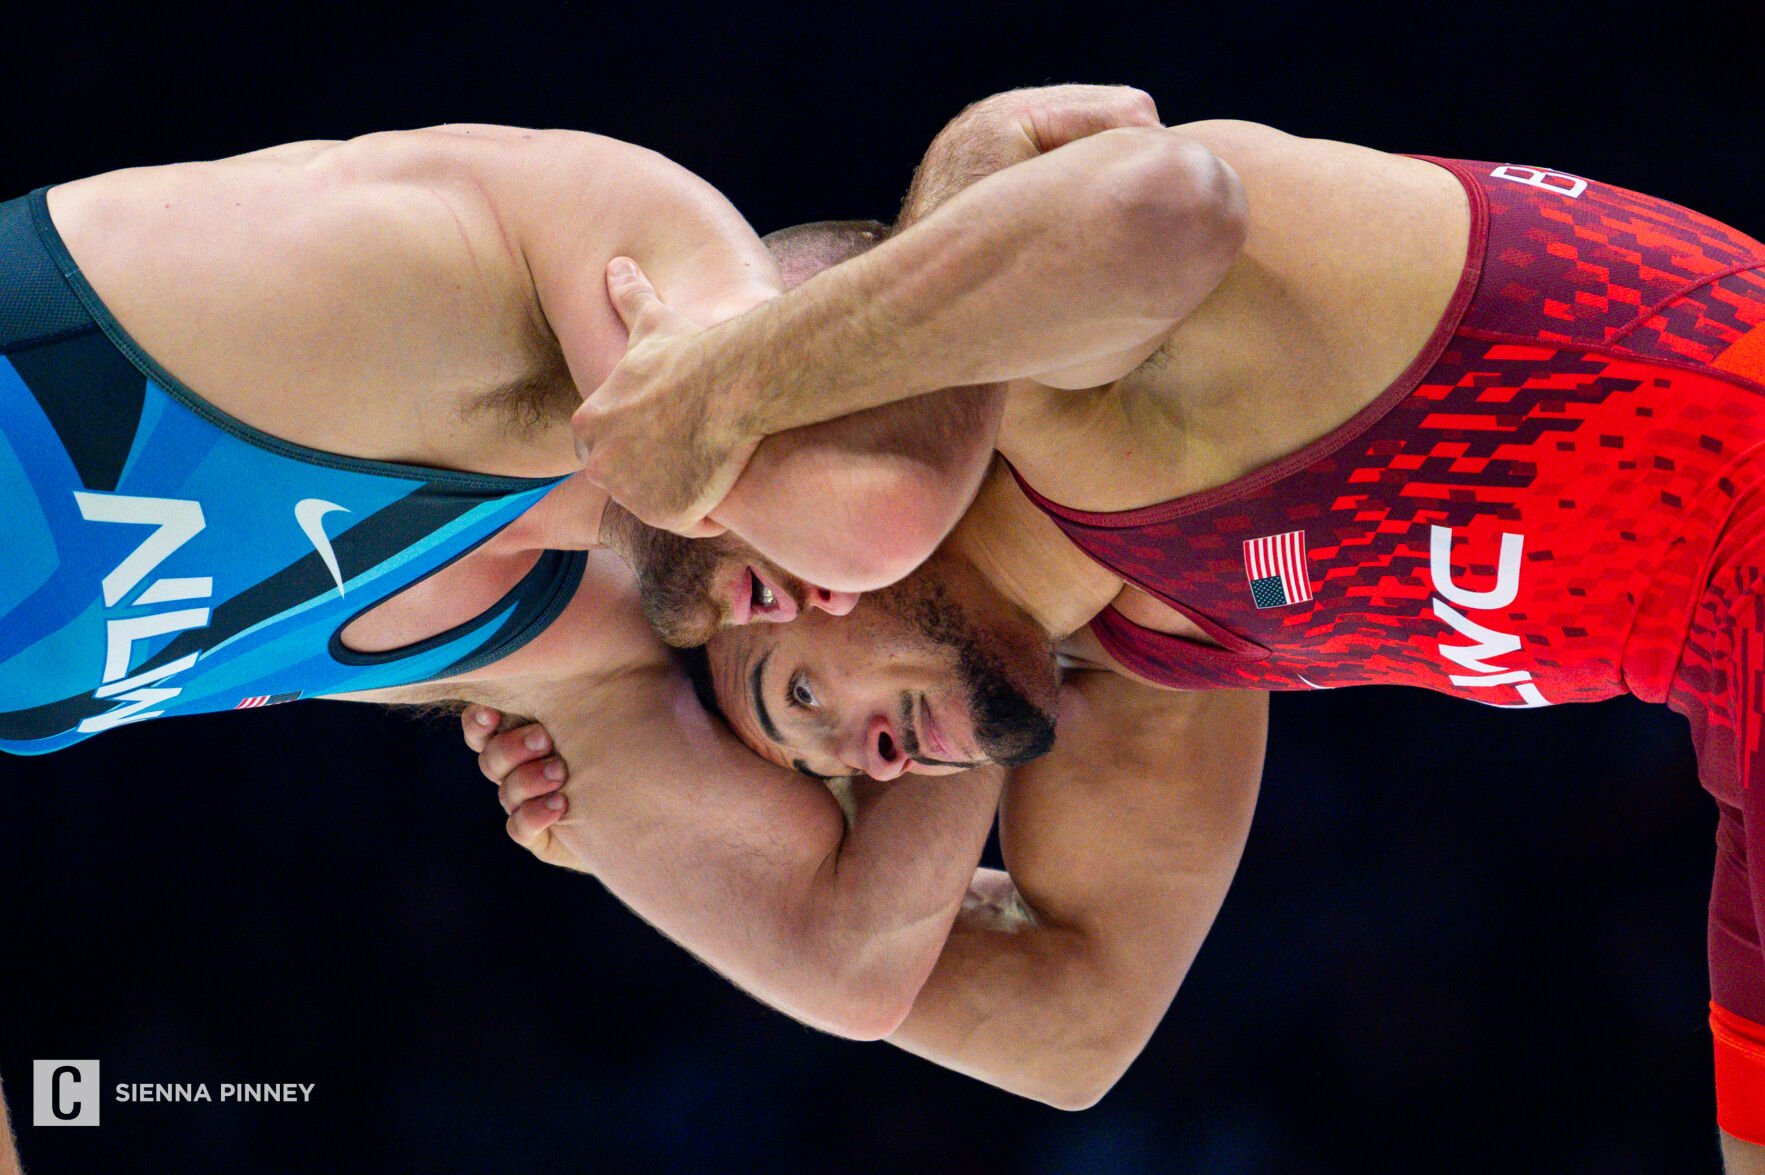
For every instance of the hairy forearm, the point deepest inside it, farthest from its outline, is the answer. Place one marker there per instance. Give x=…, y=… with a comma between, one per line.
x=1072, y=256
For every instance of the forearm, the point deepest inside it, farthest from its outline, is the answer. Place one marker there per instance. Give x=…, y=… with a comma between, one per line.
x=754, y=869
x=843, y=946
x=1028, y=1005
x=1069, y=257
x=1121, y=845
x=856, y=503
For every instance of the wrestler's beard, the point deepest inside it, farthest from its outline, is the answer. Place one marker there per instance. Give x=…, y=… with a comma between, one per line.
x=674, y=576
x=1008, y=673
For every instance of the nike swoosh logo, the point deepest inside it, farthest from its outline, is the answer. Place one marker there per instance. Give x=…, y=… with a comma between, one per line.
x=308, y=512
x=1313, y=684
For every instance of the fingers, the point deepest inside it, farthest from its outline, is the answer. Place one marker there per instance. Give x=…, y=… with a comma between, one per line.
x=632, y=294
x=530, y=825
x=478, y=724
x=531, y=781
x=511, y=749
x=1096, y=109
x=528, y=776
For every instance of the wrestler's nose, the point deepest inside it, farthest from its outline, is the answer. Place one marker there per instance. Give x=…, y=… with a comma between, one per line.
x=832, y=602
x=877, y=750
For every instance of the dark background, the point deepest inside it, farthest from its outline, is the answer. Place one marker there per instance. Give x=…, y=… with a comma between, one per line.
x=1460, y=940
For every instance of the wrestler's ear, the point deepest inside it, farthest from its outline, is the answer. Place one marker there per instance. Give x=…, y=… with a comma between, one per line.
x=639, y=306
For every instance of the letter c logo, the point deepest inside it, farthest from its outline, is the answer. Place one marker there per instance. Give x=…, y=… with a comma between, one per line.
x=55, y=1083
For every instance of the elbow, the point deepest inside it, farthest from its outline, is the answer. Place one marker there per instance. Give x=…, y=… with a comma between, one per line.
x=1091, y=1051
x=1077, y=1095
x=865, y=1008
x=1082, y=1080
x=1178, y=220
x=868, y=1020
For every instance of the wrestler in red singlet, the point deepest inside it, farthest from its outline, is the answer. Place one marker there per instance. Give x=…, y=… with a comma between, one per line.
x=1562, y=500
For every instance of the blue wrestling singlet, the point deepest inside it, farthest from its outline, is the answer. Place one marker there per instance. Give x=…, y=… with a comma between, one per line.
x=161, y=557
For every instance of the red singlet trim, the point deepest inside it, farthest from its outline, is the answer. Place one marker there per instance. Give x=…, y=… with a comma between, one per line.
x=1740, y=1074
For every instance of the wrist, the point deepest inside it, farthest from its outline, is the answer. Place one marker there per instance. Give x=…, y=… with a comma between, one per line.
x=723, y=367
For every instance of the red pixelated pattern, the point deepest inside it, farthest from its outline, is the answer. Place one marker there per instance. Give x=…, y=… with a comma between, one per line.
x=1571, y=404
x=1573, y=397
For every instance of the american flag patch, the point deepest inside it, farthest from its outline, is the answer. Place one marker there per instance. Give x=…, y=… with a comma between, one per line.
x=1275, y=566
x=265, y=700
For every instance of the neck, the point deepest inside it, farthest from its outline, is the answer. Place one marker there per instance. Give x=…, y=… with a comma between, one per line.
x=1019, y=551
x=570, y=518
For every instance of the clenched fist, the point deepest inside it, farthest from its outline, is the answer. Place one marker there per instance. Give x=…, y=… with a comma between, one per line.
x=661, y=434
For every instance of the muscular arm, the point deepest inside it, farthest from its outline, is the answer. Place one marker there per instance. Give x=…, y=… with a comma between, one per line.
x=1076, y=255
x=898, y=478
x=1068, y=268
x=1014, y=126
x=754, y=868
x=931, y=483
x=1120, y=846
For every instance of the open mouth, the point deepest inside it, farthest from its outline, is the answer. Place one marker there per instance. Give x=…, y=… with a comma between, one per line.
x=760, y=597
x=756, y=597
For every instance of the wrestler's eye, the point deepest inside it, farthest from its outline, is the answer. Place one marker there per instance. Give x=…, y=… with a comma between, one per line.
x=801, y=695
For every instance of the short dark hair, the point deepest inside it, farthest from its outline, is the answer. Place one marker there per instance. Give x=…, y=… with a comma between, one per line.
x=804, y=250
x=697, y=663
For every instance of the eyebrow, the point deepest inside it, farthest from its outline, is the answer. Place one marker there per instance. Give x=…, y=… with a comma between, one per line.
x=759, y=699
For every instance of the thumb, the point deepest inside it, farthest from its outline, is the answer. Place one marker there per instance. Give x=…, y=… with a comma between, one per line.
x=705, y=528
x=630, y=291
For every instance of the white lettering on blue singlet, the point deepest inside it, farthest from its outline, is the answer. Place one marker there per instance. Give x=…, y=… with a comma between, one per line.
x=175, y=521
x=1486, y=643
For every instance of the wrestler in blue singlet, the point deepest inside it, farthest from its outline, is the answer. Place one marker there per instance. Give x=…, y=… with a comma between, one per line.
x=161, y=557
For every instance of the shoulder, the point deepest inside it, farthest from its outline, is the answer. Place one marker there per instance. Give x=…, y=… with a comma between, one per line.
x=545, y=181
x=1279, y=163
